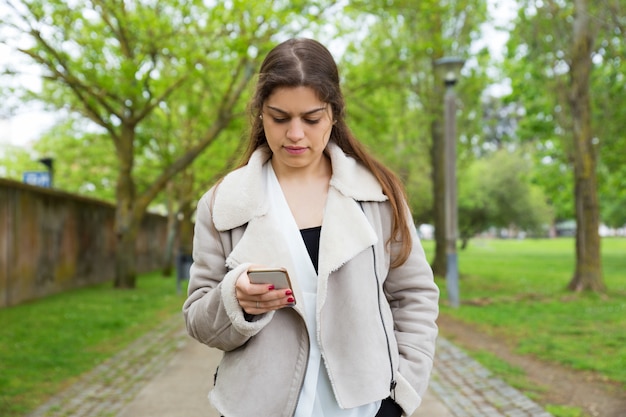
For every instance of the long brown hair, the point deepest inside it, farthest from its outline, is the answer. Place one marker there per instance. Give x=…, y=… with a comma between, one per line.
x=306, y=62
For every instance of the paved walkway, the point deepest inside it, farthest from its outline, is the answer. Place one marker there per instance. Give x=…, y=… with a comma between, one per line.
x=167, y=374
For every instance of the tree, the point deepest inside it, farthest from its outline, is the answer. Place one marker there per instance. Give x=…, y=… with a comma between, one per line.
x=588, y=273
x=409, y=37
x=16, y=160
x=115, y=63
x=85, y=161
x=609, y=113
x=384, y=114
x=564, y=49
x=496, y=191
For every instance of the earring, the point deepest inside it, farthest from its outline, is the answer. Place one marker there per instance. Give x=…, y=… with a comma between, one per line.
x=261, y=116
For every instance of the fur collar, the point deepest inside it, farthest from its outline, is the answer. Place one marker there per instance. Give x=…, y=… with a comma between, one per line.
x=241, y=195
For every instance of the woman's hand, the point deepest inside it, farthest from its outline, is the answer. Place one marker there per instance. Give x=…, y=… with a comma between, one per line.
x=261, y=298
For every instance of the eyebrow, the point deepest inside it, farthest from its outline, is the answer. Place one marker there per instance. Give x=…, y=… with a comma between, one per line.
x=306, y=113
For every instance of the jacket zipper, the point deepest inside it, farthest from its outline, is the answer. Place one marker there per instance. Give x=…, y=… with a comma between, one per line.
x=392, y=383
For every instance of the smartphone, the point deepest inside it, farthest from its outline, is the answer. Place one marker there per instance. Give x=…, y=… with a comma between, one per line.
x=278, y=277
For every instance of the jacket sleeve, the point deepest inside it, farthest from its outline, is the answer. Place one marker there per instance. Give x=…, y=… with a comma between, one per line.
x=413, y=297
x=212, y=313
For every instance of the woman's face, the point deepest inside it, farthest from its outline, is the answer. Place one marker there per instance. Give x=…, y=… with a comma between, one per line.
x=297, y=127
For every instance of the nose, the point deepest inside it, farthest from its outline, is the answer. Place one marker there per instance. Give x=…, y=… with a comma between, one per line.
x=295, y=130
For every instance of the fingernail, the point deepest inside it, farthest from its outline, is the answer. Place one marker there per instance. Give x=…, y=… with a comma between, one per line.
x=288, y=292
x=271, y=287
x=290, y=300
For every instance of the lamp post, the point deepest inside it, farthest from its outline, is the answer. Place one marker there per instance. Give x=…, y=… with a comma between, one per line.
x=450, y=67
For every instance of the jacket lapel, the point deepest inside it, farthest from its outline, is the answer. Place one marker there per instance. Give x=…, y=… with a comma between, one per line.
x=240, y=196
x=345, y=233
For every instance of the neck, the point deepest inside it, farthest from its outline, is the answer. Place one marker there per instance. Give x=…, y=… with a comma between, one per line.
x=320, y=170
x=305, y=190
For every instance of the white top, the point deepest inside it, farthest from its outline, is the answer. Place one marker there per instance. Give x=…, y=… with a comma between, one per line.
x=316, y=397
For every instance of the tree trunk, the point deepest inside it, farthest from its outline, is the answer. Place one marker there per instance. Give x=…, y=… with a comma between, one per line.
x=186, y=211
x=172, y=226
x=588, y=273
x=168, y=262
x=185, y=235
x=439, y=264
x=125, y=261
x=126, y=219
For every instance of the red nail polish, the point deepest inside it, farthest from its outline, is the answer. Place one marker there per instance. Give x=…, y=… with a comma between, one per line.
x=271, y=287
x=290, y=300
x=288, y=292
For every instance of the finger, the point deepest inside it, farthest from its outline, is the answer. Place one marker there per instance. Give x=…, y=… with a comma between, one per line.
x=247, y=291
x=277, y=299
x=274, y=300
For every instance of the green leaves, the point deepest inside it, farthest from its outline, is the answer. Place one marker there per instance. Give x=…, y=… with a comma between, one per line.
x=496, y=191
x=538, y=62
x=394, y=98
x=160, y=77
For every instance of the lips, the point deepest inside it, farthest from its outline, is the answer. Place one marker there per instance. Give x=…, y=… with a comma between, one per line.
x=295, y=150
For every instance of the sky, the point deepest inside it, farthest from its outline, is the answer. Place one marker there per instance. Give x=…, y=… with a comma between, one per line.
x=25, y=127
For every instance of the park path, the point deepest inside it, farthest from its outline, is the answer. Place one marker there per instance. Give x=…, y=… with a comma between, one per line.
x=167, y=374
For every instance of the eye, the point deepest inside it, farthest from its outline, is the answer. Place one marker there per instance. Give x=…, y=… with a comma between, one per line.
x=311, y=121
x=280, y=119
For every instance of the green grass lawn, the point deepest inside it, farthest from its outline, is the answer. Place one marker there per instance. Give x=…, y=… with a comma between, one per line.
x=516, y=289
x=47, y=344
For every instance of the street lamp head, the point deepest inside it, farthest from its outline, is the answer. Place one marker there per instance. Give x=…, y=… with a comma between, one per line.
x=450, y=67
x=450, y=79
x=48, y=162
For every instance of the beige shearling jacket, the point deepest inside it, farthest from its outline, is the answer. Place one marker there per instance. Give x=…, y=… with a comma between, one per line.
x=375, y=324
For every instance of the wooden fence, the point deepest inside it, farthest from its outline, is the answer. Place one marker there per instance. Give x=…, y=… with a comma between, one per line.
x=52, y=241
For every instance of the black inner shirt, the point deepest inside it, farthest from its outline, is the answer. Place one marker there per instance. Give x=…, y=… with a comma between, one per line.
x=311, y=239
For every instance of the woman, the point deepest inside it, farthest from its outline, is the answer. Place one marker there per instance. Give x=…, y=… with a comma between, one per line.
x=355, y=335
